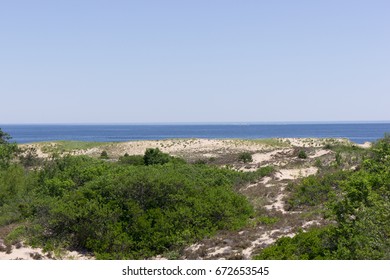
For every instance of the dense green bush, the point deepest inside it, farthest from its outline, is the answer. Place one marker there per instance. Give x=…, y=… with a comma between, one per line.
x=315, y=190
x=245, y=157
x=134, y=211
x=155, y=156
x=131, y=160
x=315, y=244
x=302, y=154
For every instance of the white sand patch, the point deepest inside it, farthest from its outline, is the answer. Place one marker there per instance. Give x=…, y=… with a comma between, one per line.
x=278, y=204
x=29, y=253
x=259, y=158
x=366, y=145
x=311, y=223
x=263, y=239
x=219, y=251
x=194, y=247
x=250, y=186
x=265, y=180
x=209, y=155
x=25, y=253
x=291, y=174
x=320, y=153
x=247, y=168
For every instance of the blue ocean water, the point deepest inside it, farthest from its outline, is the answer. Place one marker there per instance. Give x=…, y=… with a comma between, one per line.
x=356, y=132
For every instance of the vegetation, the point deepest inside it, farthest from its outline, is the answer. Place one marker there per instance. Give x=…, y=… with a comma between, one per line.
x=358, y=205
x=7, y=149
x=315, y=190
x=104, y=155
x=134, y=211
x=145, y=205
x=245, y=157
x=68, y=146
x=155, y=156
x=131, y=160
x=302, y=154
x=135, y=208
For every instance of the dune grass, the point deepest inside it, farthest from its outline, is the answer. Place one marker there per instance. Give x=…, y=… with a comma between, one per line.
x=67, y=146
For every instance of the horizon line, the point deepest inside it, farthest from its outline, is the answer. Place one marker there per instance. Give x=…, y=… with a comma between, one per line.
x=210, y=123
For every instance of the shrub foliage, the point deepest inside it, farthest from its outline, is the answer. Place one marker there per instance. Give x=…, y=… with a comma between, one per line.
x=359, y=205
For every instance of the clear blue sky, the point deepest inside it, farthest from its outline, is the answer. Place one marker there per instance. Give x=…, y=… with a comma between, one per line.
x=194, y=61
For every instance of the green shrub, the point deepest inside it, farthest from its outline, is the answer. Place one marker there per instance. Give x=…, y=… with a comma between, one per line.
x=127, y=211
x=104, y=155
x=245, y=157
x=7, y=149
x=315, y=190
x=302, y=154
x=155, y=156
x=312, y=245
x=131, y=160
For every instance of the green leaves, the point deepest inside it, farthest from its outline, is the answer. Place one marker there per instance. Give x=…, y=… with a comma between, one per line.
x=7, y=150
x=133, y=211
x=359, y=204
x=155, y=156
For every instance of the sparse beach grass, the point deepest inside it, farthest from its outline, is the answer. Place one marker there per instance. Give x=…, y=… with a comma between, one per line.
x=68, y=146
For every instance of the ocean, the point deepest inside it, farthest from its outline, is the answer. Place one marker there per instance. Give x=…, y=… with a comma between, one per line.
x=356, y=132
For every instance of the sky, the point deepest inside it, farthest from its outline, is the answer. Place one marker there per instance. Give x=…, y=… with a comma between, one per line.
x=190, y=61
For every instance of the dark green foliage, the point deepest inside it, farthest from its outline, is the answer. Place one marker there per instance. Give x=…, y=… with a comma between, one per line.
x=302, y=154
x=245, y=157
x=104, y=155
x=381, y=150
x=7, y=149
x=13, y=186
x=155, y=156
x=315, y=190
x=313, y=245
x=131, y=160
x=4, y=137
x=131, y=212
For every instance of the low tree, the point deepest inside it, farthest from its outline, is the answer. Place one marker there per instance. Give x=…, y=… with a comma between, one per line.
x=155, y=156
x=7, y=149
